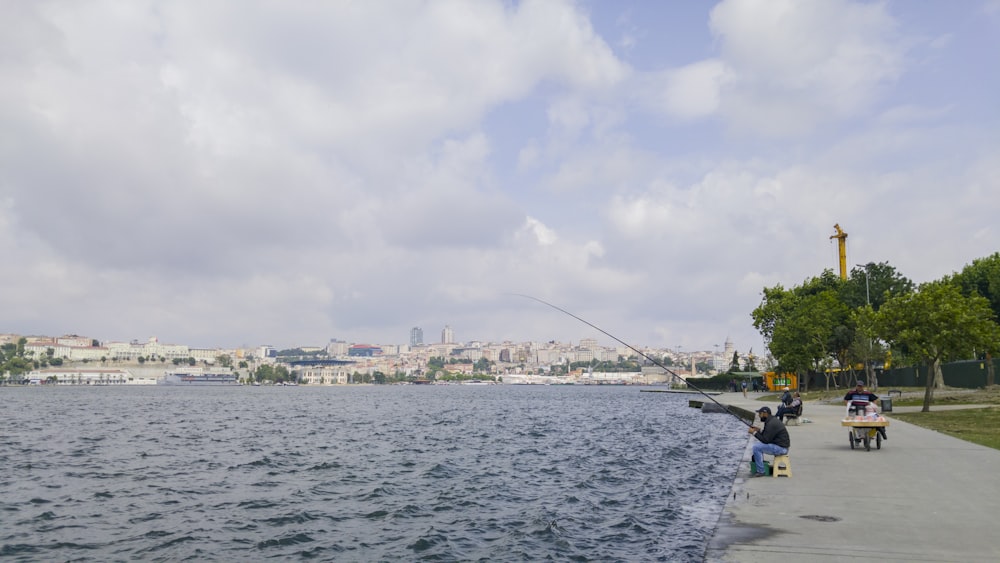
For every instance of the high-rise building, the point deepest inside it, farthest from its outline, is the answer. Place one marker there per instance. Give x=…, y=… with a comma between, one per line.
x=416, y=336
x=447, y=335
x=337, y=347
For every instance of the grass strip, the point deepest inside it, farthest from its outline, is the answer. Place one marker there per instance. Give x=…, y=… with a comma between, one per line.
x=979, y=425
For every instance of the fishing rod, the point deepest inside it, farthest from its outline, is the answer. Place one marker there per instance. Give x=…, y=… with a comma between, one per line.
x=637, y=351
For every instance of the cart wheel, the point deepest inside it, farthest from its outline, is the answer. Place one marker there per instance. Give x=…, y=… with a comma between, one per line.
x=868, y=443
x=850, y=436
x=878, y=441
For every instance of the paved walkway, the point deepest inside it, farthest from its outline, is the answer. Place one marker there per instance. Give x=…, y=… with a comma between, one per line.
x=923, y=497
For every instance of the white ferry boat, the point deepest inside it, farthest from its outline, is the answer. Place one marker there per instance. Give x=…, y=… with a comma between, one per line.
x=196, y=376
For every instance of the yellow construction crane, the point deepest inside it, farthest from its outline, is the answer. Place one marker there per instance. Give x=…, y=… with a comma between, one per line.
x=841, y=237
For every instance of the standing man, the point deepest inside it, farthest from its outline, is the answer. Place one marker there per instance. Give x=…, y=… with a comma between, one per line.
x=772, y=439
x=786, y=397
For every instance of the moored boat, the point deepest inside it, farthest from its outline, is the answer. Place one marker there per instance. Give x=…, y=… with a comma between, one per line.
x=196, y=376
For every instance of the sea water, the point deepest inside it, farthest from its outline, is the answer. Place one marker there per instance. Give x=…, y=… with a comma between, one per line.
x=360, y=473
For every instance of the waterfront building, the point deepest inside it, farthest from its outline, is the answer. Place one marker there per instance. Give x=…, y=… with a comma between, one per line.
x=41, y=347
x=325, y=375
x=74, y=376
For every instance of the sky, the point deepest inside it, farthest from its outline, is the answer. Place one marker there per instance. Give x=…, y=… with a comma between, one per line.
x=284, y=173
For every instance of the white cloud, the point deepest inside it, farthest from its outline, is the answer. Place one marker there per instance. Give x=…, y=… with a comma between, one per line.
x=691, y=91
x=289, y=172
x=794, y=65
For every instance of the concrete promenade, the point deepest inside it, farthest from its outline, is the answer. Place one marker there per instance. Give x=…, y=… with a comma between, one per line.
x=923, y=497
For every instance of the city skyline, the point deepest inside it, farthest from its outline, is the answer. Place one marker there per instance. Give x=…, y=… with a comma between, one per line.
x=71, y=340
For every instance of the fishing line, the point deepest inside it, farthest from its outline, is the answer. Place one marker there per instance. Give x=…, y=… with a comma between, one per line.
x=637, y=351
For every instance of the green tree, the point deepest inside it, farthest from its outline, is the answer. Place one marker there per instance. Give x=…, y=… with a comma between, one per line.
x=937, y=324
x=799, y=325
x=281, y=374
x=434, y=364
x=874, y=284
x=982, y=277
x=264, y=372
x=482, y=365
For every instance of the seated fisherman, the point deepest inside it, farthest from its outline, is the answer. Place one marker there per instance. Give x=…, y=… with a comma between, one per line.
x=791, y=408
x=772, y=439
x=863, y=402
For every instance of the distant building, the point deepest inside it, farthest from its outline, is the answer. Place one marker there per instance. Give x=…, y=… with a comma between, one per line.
x=416, y=336
x=471, y=353
x=447, y=335
x=74, y=376
x=364, y=350
x=337, y=348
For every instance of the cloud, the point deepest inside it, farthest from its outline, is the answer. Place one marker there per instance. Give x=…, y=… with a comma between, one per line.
x=689, y=92
x=290, y=172
x=783, y=68
x=794, y=65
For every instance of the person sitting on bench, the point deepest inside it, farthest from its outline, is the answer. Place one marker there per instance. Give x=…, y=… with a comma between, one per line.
x=791, y=409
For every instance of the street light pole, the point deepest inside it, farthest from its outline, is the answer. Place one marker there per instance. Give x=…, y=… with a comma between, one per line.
x=868, y=300
x=868, y=297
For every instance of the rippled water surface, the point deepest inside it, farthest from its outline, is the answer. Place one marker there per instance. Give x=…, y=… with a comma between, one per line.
x=373, y=473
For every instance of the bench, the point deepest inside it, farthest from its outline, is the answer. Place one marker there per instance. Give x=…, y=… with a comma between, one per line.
x=896, y=391
x=790, y=416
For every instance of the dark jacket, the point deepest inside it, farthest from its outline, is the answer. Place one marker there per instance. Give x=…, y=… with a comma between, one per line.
x=786, y=397
x=774, y=432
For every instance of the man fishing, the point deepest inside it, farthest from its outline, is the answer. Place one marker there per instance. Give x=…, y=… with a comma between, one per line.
x=772, y=439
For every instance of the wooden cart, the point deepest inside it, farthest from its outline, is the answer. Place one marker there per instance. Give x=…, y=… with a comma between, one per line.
x=862, y=431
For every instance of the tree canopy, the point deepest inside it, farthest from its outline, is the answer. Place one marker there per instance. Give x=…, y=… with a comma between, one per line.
x=826, y=320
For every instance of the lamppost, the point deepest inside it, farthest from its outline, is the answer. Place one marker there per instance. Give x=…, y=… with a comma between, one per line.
x=868, y=301
x=680, y=361
x=868, y=298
